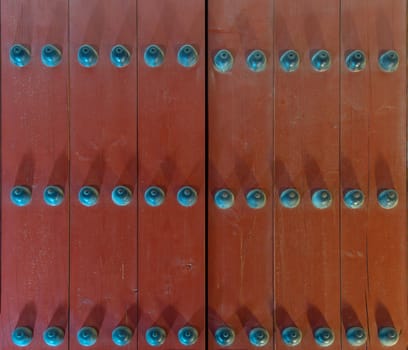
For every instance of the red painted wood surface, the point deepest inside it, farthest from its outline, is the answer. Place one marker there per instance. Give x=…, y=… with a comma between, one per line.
x=103, y=135
x=171, y=132
x=34, y=153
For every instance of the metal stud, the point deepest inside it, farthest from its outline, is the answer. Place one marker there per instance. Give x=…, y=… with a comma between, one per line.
x=53, y=336
x=120, y=56
x=322, y=199
x=187, y=196
x=188, y=336
x=187, y=56
x=356, y=61
x=87, y=56
x=321, y=61
x=154, y=196
x=256, y=199
x=324, y=337
x=388, y=336
x=51, y=56
x=153, y=56
x=289, y=61
x=224, y=199
x=87, y=336
x=291, y=336
x=356, y=336
x=155, y=336
x=19, y=55
x=22, y=336
x=20, y=196
x=354, y=199
x=53, y=196
x=389, y=61
x=290, y=198
x=258, y=337
x=223, y=61
x=224, y=336
x=388, y=199
x=88, y=196
x=256, y=61
x=121, y=195
x=122, y=335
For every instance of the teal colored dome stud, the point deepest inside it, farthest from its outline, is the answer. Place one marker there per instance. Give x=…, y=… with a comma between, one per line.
x=155, y=336
x=354, y=199
x=322, y=199
x=256, y=199
x=224, y=199
x=87, y=336
x=88, y=196
x=388, y=199
x=356, y=61
x=87, y=56
x=187, y=196
x=153, y=56
x=120, y=56
x=223, y=61
x=19, y=55
x=389, y=61
x=51, y=56
x=122, y=335
x=291, y=336
x=224, y=336
x=187, y=56
x=53, y=196
x=258, y=337
x=321, y=61
x=121, y=195
x=20, y=196
x=256, y=61
x=324, y=337
x=53, y=336
x=154, y=196
x=289, y=61
x=188, y=336
x=290, y=198
x=356, y=336
x=22, y=336
x=388, y=336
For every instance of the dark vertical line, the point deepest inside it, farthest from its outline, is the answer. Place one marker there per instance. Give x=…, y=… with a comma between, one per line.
x=136, y=195
x=340, y=168
x=274, y=189
x=68, y=28
x=1, y=160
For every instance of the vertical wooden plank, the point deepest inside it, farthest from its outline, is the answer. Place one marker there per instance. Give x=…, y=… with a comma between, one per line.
x=240, y=239
x=103, y=288
x=171, y=125
x=34, y=153
x=307, y=259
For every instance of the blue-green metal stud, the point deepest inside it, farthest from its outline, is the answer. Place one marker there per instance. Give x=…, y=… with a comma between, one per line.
x=153, y=56
x=121, y=195
x=256, y=199
x=389, y=61
x=87, y=336
x=289, y=61
x=356, y=336
x=224, y=199
x=88, y=196
x=256, y=61
x=155, y=336
x=322, y=199
x=188, y=336
x=224, y=336
x=87, y=56
x=154, y=196
x=354, y=199
x=53, y=336
x=187, y=56
x=223, y=61
x=290, y=198
x=22, y=336
x=388, y=199
x=19, y=55
x=291, y=336
x=20, y=196
x=356, y=61
x=51, y=56
x=53, y=196
x=120, y=56
x=388, y=336
x=122, y=335
x=324, y=337
x=258, y=337
x=187, y=196
x=321, y=61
